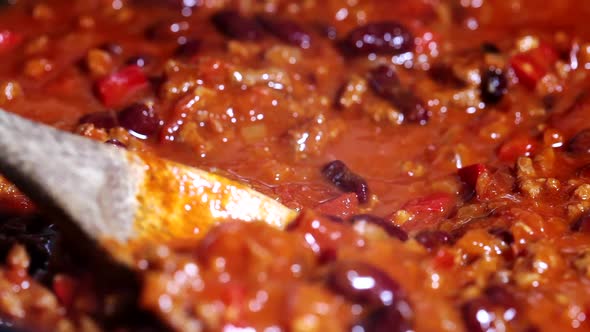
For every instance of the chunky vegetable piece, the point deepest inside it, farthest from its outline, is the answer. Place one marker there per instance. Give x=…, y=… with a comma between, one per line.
x=114, y=89
x=436, y=152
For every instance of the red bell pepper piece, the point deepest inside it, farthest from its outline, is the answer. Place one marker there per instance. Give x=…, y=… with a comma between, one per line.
x=532, y=65
x=428, y=210
x=117, y=87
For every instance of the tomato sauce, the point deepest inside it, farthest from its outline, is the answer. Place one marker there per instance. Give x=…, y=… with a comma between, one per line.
x=438, y=151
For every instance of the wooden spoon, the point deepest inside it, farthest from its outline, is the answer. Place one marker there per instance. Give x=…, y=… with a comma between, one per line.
x=120, y=199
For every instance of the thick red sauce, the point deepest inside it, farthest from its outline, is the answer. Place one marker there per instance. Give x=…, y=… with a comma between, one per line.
x=460, y=125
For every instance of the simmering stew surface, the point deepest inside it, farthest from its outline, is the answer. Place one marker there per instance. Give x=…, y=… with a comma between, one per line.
x=438, y=152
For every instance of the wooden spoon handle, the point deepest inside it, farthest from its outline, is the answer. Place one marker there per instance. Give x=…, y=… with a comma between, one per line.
x=91, y=183
x=119, y=198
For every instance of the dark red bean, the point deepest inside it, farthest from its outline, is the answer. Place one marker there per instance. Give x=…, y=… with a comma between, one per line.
x=478, y=316
x=327, y=30
x=549, y=101
x=139, y=119
x=139, y=60
x=493, y=86
x=188, y=49
x=503, y=234
x=496, y=303
x=432, y=239
x=328, y=255
x=390, y=38
x=500, y=296
x=105, y=120
x=178, y=31
x=387, y=226
x=470, y=174
x=491, y=48
x=234, y=25
x=116, y=142
x=385, y=82
x=364, y=283
x=580, y=144
x=444, y=74
x=287, y=31
x=343, y=178
x=582, y=224
x=384, y=319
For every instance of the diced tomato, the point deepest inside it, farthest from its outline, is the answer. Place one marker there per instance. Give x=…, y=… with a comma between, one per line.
x=527, y=70
x=65, y=289
x=117, y=87
x=470, y=174
x=544, y=55
x=433, y=203
x=532, y=65
x=342, y=206
x=428, y=210
x=517, y=147
x=9, y=40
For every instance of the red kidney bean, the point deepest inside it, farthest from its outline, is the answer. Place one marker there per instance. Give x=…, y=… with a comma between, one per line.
x=500, y=296
x=491, y=48
x=480, y=314
x=580, y=143
x=384, y=319
x=385, y=82
x=477, y=315
x=387, y=226
x=178, y=31
x=188, y=49
x=503, y=234
x=470, y=174
x=139, y=119
x=234, y=25
x=327, y=30
x=341, y=176
x=493, y=86
x=287, y=31
x=582, y=224
x=444, y=74
x=364, y=283
x=390, y=38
